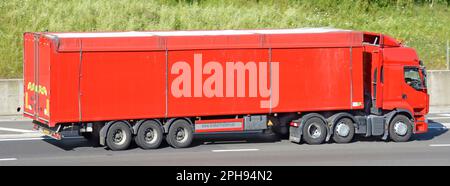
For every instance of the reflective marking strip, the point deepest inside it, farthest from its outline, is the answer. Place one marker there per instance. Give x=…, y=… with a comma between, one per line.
x=43, y=119
x=224, y=125
x=47, y=108
x=26, y=100
x=219, y=125
x=30, y=114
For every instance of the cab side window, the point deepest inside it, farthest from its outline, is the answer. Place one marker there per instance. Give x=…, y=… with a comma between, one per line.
x=412, y=77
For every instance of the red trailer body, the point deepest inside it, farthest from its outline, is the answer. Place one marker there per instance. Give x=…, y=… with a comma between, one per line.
x=132, y=76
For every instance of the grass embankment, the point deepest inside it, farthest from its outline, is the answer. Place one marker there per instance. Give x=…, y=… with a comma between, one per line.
x=424, y=24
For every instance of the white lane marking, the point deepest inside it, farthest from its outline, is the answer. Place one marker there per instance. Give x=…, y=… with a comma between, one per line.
x=17, y=130
x=22, y=139
x=440, y=145
x=38, y=138
x=235, y=150
x=24, y=135
x=8, y=159
x=15, y=119
x=448, y=115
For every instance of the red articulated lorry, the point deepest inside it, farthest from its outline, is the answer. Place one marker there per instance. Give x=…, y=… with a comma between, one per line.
x=308, y=84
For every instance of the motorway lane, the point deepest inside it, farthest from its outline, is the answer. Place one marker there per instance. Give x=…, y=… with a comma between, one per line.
x=432, y=148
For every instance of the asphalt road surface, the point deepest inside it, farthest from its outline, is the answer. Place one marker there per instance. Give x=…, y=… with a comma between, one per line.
x=19, y=145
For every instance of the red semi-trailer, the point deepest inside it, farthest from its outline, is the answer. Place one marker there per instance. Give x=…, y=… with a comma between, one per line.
x=311, y=84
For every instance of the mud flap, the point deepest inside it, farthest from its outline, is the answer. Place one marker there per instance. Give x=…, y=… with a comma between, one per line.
x=295, y=134
x=296, y=131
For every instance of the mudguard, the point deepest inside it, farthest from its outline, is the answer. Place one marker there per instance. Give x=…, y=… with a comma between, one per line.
x=389, y=116
x=331, y=122
x=169, y=122
x=295, y=133
x=105, y=129
x=139, y=123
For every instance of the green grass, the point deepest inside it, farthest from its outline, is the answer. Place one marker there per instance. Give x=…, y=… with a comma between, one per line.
x=422, y=24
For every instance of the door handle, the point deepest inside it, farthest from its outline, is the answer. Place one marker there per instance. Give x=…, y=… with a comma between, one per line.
x=404, y=96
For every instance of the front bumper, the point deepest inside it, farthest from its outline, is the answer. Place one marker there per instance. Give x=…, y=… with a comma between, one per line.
x=421, y=126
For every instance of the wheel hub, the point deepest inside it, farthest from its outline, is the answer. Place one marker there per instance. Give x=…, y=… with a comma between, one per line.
x=314, y=131
x=400, y=128
x=180, y=134
x=342, y=129
x=149, y=135
x=118, y=136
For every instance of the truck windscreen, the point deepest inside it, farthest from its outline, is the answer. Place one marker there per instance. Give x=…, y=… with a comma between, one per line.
x=413, y=78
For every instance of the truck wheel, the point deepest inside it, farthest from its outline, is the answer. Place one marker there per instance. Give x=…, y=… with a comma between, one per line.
x=118, y=136
x=180, y=134
x=344, y=130
x=314, y=131
x=400, y=128
x=149, y=135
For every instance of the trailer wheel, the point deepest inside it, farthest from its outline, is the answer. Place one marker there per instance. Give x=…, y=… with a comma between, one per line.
x=314, y=131
x=400, y=128
x=149, y=135
x=180, y=134
x=344, y=130
x=118, y=136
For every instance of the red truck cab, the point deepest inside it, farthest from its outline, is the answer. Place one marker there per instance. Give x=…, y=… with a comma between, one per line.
x=398, y=79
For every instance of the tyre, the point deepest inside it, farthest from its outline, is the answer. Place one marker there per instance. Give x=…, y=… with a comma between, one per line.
x=344, y=130
x=149, y=135
x=400, y=128
x=180, y=134
x=118, y=136
x=314, y=131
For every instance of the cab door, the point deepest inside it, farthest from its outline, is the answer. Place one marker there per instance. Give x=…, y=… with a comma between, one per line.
x=413, y=88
